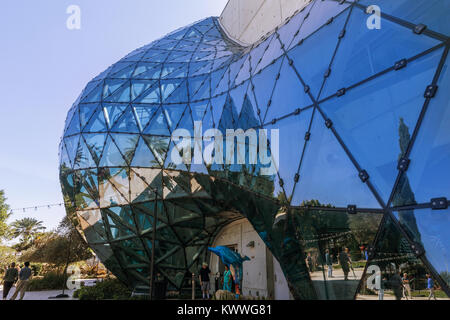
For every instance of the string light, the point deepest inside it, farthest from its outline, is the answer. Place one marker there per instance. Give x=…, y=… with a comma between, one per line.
x=48, y=206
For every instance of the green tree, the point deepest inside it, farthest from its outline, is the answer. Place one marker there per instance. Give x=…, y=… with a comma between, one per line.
x=27, y=230
x=4, y=215
x=58, y=247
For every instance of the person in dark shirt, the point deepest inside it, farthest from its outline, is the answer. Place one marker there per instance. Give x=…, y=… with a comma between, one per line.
x=204, y=280
x=9, y=279
x=24, y=277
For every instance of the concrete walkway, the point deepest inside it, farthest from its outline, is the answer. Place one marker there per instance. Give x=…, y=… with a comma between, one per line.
x=39, y=295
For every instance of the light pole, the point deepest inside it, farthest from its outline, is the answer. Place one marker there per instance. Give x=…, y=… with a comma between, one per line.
x=152, y=265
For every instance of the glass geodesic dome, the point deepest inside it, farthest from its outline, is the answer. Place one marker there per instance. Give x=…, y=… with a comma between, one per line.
x=363, y=148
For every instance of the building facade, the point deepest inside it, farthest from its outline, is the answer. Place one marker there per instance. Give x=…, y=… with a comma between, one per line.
x=343, y=165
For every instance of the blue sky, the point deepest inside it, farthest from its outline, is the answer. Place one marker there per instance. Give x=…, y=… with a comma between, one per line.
x=44, y=66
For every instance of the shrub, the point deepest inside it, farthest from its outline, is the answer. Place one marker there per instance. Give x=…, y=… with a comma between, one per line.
x=111, y=289
x=37, y=268
x=50, y=281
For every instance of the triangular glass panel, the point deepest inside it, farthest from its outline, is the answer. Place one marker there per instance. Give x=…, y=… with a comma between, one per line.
x=147, y=70
x=97, y=122
x=158, y=125
x=264, y=84
x=257, y=53
x=207, y=121
x=72, y=147
x=243, y=74
x=428, y=228
x=64, y=157
x=119, y=178
x=169, y=86
x=74, y=126
x=287, y=151
x=186, y=122
x=288, y=31
x=83, y=158
x=392, y=262
x=126, y=123
x=327, y=174
x=144, y=113
x=112, y=85
x=159, y=146
x=238, y=95
x=432, y=13
x=180, y=94
x=138, y=87
x=111, y=155
x=203, y=92
x=173, y=114
x=272, y=53
x=199, y=110
x=320, y=13
x=358, y=59
x=143, y=157
x=285, y=101
x=113, y=112
x=219, y=81
x=312, y=58
x=124, y=73
x=127, y=144
x=429, y=171
x=376, y=119
x=151, y=95
x=86, y=111
x=123, y=94
x=332, y=242
x=217, y=105
x=95, y=95
x=236, y=67
x=95, y=143
x=229, y=118
x=172, y=162
x=248, y=117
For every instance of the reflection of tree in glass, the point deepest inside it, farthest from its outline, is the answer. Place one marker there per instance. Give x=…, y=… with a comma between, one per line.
x=404, y=194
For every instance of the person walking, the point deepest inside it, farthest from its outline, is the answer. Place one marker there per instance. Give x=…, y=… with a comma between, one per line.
x=406, y=287
x=329, y=263
x=430, y=287
x=397, y=285
x=25, y=275
x=227, y=279
x=309, y=262
x=204, y=280
x=10, y=278
x=344, y=262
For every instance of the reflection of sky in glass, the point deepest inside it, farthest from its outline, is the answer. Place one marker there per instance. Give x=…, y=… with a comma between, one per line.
x=429, y=174
x=434, y=226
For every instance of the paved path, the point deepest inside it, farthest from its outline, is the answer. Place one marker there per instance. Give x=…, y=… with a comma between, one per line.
x=39, y=295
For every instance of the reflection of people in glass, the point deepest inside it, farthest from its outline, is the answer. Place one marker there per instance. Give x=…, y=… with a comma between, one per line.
x=406, y=286
x=397, y=285
x=227, y=279
x=344, y=262
x=237, y=282
x=430, y=287
x=329, y=263
x=309, y=262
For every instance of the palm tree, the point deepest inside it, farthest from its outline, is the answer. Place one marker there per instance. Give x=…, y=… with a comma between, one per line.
x=27, y=229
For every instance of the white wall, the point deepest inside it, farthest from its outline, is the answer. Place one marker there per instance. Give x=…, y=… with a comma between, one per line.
x=259, y=271
x=247, y=21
